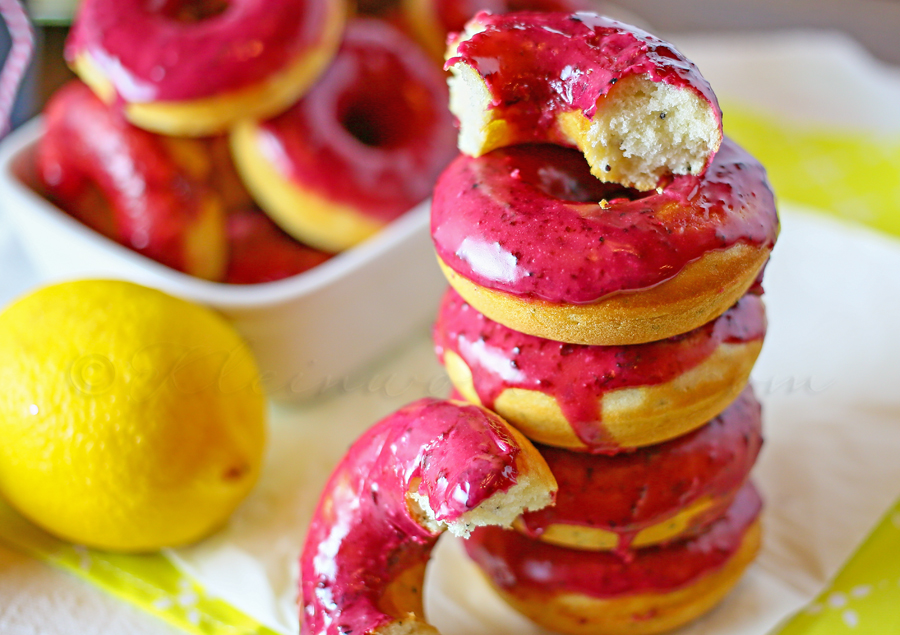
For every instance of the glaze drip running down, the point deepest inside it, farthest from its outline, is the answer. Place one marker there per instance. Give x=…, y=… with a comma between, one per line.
x=518, y=564
x=578, y=376
x=632, y=491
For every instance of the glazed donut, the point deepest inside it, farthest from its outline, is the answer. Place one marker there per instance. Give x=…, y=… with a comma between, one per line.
x=599, y=398
x=596, y=592
x=365, y=145
x=433, y=465
x=148, y=192
x=521, y=236
x=636, y=107
x=261, y=252
x=653, y=495
x=194, y=67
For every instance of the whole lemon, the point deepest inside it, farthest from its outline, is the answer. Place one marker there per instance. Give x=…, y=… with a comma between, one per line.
x=129, y=420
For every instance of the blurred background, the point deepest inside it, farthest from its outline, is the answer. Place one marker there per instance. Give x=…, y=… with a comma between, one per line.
x=873, y=23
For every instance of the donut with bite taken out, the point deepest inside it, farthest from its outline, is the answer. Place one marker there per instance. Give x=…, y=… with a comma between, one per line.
x=636, y=108
x=431, y=466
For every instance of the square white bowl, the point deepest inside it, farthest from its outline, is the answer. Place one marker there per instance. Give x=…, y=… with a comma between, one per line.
x=308, y=332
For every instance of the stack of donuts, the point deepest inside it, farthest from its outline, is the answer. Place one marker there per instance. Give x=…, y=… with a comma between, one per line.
x=605, y=246
x=194, y=114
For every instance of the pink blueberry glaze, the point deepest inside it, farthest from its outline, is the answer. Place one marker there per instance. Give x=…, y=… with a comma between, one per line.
x=362, y=535
x=538, y=64
x=89, y=150
x=374, y=132
x=175, y=50
x=518, y=564
x=631, y=491
x=578, y=376
x=453, y=14
x=525, y=220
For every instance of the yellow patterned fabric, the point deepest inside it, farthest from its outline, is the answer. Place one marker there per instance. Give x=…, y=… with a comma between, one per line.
x=849, y=174
x=856, y=177
x=864, y=597
x=151, y=582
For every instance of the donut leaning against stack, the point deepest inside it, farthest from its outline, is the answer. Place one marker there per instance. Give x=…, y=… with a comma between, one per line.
x=606, y=301
x=431, y=466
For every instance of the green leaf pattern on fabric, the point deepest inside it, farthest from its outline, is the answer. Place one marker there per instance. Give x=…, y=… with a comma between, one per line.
x=151, y=581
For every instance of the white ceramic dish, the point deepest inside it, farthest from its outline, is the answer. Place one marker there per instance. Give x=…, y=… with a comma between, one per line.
x=308, y=332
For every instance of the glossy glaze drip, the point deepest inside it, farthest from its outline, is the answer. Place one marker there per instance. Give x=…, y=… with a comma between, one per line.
x=151, y=53
x=537, y=64
x=518, y=564
x=362, y=535
x=578, y=376
x=116, y=178
x=374, y=132
x=631, y=491
x=496, y=222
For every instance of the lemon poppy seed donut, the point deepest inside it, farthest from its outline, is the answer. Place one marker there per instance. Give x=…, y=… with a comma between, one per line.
x=636, y=107
x=528, y=237
x=653, y=495
x=432, y=466
x=365, y=145
x=600, y=593
x=151, y=193
x=600, y=398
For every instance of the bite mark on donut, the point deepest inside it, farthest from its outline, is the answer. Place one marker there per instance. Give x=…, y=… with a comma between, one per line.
x=639, y=128
x=643, y=130
x=433, y=465
x=500, y=510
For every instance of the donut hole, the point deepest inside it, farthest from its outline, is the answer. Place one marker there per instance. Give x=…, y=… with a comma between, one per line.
x=382, y=118
x=189, y=11
x=372, y=123
x=564, y=174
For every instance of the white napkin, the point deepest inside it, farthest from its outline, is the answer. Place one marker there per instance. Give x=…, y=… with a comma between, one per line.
x=827, y=378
